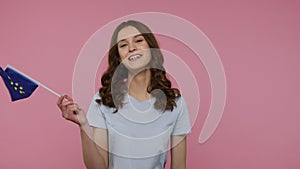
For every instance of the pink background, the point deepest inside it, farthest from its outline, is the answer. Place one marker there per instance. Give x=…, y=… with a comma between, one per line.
x=259, y=45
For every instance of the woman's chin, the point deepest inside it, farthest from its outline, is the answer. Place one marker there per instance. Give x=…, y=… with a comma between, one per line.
x=136, y=66
x=137, y=69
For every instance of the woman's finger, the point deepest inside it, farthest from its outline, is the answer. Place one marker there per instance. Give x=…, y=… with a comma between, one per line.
x=60, y=99
x=66, y=103
x=72, y=108
x=68, y=98
x=65, y=115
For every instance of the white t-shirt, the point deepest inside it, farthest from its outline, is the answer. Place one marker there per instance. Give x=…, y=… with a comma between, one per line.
x=138, y=134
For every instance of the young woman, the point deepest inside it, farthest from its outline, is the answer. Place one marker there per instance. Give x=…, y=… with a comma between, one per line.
x=136, y=112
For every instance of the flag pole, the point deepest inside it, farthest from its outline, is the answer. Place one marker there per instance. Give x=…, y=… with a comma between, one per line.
x=38, y=83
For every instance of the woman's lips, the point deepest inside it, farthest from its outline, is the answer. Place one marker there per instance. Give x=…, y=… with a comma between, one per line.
x=134, y=57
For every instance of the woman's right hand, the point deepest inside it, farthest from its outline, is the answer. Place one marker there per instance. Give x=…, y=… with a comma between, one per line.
x=71, y=110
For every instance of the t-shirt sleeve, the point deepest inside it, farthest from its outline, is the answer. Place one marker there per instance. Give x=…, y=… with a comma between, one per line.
x=182, y=125
x=94, y=114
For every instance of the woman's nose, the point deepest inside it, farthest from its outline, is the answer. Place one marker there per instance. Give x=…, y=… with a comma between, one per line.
x=132, y=47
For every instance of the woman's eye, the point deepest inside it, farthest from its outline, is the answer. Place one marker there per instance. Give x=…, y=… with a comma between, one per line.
x=139, y=40
x=123, y=45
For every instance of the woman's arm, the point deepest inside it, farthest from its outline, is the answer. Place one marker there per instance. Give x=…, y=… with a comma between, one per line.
x=94, y=156
x=178, y=152
x=94, y=152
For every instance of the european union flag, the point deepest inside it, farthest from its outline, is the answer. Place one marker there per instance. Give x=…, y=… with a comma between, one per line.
x=19, y=86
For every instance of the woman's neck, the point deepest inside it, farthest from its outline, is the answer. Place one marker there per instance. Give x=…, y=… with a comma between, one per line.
x=138, y=84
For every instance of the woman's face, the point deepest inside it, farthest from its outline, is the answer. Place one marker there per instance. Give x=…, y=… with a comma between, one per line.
x=133, y=49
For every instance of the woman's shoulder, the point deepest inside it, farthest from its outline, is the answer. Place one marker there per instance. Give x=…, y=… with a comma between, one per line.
x=180, y=101
x=96, y=96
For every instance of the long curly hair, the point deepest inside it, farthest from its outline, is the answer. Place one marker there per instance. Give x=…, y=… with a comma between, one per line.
x=114, y=78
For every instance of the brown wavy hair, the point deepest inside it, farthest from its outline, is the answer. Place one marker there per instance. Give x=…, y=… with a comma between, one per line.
x=113, y=79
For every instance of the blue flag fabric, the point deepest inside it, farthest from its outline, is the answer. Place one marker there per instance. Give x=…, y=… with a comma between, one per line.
x=19, y=86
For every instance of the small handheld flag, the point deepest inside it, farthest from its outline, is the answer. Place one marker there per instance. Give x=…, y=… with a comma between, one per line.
x=19, y=85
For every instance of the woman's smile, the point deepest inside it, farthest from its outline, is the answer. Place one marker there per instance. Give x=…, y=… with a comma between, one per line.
x=134, y=57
